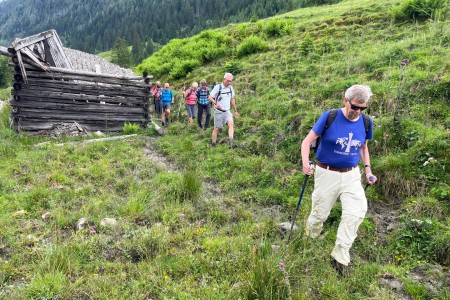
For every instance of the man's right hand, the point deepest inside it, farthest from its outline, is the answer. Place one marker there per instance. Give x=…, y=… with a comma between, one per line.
x=308, y=169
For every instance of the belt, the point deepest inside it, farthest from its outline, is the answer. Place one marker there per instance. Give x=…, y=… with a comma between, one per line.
x=220, y=109
x=342, y=170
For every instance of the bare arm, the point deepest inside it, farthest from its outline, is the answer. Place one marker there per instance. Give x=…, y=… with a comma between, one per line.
x=305, y=150
x=213, y=101
x=233, y=104
x=365, y=159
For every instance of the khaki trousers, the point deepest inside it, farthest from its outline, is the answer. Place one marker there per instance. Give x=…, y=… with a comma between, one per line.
x=328, y=186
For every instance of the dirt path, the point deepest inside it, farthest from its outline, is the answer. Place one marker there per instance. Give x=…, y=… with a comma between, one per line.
x=210, y=190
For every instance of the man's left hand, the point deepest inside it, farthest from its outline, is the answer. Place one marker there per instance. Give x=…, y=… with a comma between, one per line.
x=371, y=179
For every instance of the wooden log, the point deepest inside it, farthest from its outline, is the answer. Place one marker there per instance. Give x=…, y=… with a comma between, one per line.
x=4, y=51
x=78, y=107
x=103, y=80
x=40, y=84
x=94, y=74
x=61, y=115
x=60, y=97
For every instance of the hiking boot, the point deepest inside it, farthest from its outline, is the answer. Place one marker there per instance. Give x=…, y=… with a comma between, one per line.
x=213, y=145
x=162, y=124
x=232, y=144
x=340, y=268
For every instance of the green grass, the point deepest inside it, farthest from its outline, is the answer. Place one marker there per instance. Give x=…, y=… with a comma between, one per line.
x=208, y=229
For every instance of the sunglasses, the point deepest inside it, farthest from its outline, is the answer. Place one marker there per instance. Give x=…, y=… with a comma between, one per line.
x=354, y=107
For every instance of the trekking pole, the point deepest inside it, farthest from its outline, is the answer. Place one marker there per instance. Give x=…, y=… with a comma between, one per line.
x=305, y=182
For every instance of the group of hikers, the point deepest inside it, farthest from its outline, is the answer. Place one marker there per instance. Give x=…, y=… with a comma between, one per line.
x=343, y=135
x=198, y=100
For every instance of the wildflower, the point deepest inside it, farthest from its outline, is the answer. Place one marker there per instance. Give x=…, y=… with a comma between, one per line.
x=404, y=63
x=281, y=266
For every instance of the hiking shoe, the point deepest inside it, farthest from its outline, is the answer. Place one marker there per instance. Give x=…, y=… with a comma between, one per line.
x=213, y=145
x=232, y=144
x=337, y=266
x=162, y=124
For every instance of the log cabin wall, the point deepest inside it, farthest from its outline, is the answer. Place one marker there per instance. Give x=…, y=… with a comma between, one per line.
x=45, y=95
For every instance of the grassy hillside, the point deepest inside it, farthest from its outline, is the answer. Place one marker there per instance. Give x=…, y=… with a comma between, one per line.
x=202, y=223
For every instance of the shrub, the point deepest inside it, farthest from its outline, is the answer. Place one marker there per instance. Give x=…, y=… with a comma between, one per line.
x=251, y=45
x=233, y=67
x=307, y=46
x=277, y=27
x=182, y=68
x=412, y=10
x=130, y=128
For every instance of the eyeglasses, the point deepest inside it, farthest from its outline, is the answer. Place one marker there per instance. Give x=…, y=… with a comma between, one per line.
x=354, y=107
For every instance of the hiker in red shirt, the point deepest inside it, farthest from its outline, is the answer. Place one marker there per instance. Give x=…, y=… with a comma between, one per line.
x=156, y=91
x=191, y=100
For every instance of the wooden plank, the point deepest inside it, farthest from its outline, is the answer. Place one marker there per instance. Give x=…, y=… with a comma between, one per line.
x=103, y=80
x=61, y=97
x=22, y=68
x=20, y=43
x=36, y=83
x=4, y=51
x=93, y=74
x=63, y=116
x=32, y=56
x=79, y=107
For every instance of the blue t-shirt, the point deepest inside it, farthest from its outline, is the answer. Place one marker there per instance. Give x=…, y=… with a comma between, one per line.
x=340, y=144
x=166, y=96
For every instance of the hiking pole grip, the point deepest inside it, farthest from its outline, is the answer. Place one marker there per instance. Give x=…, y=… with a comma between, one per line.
x=371, y=178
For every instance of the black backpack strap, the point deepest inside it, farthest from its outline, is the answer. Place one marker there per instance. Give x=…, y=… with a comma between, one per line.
x=218, y=94
x=331, y=116
x=366, y=122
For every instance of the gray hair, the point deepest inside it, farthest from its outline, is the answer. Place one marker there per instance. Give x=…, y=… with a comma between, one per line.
x=359, y=93
x=227, y=75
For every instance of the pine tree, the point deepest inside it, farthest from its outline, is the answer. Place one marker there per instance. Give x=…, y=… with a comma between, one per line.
x=121, y=54
x=136, y=49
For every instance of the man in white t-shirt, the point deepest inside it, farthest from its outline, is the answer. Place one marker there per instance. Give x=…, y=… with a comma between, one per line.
x=223, y=98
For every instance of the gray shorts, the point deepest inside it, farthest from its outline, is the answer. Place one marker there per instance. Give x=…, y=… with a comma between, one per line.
x=221, y=118
x=166, y=106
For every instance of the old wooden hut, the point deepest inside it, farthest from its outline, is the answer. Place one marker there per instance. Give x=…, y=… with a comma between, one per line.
x=54, y=85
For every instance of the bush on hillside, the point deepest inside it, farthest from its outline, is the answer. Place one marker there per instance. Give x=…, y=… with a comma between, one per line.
x=420, y=10
x=251, y=45
x=277, y=27
x=233, y=67
x=180, y=56
x=184, y=67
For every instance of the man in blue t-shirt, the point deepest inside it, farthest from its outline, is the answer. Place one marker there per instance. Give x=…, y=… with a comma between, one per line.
x=167, y=98
x=343, y=144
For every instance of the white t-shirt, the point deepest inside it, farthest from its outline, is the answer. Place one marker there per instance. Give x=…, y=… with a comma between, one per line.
x=226, y=94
